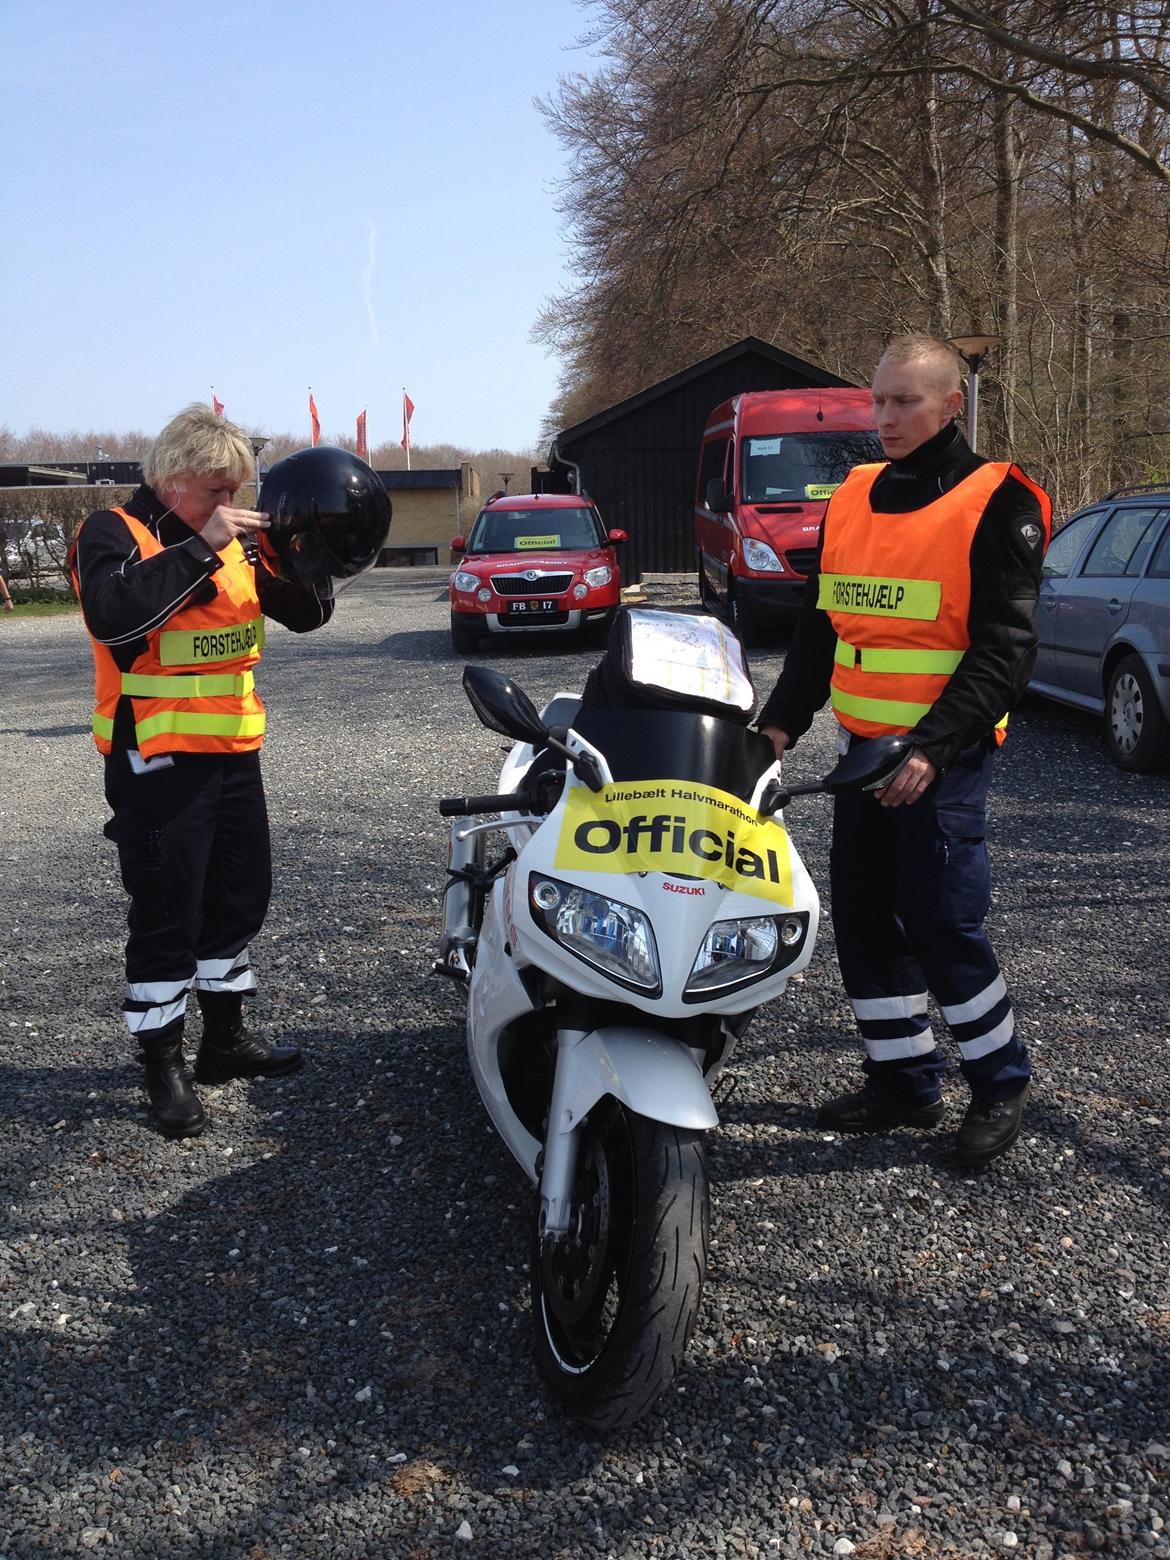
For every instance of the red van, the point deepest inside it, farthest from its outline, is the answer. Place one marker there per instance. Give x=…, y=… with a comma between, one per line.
x=769, y=460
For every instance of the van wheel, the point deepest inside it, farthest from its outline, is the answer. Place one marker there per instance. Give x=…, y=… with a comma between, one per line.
x=736, y=615
x=1136, y=730
x=463, y=641
x=705, y=598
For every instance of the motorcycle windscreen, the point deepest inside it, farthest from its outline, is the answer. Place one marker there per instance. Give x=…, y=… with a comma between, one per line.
x=675, y=745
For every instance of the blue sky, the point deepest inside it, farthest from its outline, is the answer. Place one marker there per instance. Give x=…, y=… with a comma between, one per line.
x=277, y=193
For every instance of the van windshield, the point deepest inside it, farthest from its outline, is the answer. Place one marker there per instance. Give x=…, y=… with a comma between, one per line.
x=802, y=466
x=535, y=530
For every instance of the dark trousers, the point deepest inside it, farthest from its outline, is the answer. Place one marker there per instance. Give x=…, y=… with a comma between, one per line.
x=193, y=846
x=911, y=886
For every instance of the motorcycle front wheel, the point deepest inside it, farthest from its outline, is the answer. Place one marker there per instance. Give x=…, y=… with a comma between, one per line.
x=614, y=1302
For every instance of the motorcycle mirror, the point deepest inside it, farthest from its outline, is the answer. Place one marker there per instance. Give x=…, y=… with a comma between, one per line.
x=501, y=706
x=869, y=766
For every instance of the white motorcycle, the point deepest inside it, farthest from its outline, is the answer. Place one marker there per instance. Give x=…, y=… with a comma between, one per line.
x=646, y=901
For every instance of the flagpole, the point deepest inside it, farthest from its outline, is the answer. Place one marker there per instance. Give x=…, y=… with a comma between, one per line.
x=405, y=428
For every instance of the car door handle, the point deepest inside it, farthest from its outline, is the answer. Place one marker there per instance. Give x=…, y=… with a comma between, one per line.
x=1114, y=606
x=1048, y=603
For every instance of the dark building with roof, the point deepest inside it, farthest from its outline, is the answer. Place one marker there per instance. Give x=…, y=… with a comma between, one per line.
x=637, y=459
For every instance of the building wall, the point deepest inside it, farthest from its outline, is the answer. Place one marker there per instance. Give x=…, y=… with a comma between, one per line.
x=432, y=516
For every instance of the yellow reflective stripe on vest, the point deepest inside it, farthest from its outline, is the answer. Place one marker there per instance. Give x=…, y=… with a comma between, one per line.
x=883, y=712
x=934, y=662
x=103, y=726
x=870, y=596
x=190, y=724
x=201, y=685
x=193, y=646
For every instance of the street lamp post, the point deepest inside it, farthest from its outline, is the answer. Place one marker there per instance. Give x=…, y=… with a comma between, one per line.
x=973, y=349
x=506, y=477
x=257, y=442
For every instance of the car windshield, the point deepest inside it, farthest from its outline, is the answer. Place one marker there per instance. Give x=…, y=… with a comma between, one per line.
x=535, y=530
x=802, y=465
x=647, y=744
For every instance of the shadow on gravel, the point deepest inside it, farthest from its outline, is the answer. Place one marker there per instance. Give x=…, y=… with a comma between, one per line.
x=45, y=731
x=338, y=1295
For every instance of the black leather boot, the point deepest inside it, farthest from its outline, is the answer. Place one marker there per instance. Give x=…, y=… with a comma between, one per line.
x=990, y=1127
x=228, y=1048
x=173, y=1102
x=869, y=1110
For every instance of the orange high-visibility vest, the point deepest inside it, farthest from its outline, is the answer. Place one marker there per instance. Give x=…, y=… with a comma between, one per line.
x=192, y=688
x=897, y=589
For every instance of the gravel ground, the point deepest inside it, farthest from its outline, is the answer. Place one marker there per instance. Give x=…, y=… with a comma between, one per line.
x=306, y=1333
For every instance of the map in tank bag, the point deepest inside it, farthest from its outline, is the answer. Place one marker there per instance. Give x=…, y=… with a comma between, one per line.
x=678, y=827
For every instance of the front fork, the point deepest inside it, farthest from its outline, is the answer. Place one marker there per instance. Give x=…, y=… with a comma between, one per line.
x=561, y=1144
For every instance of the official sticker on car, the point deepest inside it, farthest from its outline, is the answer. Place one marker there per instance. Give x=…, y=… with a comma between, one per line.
x=679, y=827
x=536, y=543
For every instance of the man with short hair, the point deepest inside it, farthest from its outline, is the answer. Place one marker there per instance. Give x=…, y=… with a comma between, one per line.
x=919, y=618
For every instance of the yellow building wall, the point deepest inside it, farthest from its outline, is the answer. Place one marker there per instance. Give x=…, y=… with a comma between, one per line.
x=431, y=517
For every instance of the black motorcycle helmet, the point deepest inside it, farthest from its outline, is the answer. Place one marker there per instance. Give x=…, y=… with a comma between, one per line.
x=329, y=517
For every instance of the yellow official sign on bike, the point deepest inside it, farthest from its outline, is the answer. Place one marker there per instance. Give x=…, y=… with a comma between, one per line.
x=679, y=827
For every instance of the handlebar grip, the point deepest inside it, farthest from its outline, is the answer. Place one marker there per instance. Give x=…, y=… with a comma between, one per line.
x=463, y=806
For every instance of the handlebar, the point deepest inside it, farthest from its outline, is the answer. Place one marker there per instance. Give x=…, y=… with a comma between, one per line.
x=464, y=806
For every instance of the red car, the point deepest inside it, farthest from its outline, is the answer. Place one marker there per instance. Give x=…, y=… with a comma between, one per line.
x=534, y=561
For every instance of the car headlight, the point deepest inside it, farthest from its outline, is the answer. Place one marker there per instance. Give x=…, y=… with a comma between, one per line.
x=483, y=594
x=614, y=938
x=598, y=577
x=736, y=952
x=580, y=591
x=464, y=581
x=759, y=556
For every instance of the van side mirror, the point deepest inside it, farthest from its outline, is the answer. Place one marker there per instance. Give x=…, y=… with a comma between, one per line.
x=616, y=538
x=716, y=497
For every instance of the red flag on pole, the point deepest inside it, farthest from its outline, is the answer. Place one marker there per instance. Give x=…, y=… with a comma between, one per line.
x=314, y=420
x=407, y=414
x=216, y=403
x=363, y=452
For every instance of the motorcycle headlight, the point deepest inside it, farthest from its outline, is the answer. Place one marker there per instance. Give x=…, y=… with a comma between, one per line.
x=737, y=952
x=598, y=577
x=614, y=938
x=465, y=581
x=759, y=556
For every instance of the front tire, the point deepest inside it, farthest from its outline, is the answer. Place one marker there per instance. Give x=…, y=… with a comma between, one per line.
x=463, y=641
x=1136, y=730
x=736, y=615
x=614, y=1303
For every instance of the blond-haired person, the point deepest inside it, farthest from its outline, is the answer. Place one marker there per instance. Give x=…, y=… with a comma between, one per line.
x=175, y=611
x=919, y=618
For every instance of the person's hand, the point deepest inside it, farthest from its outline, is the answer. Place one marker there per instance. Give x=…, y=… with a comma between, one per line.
x=778, y=738
x=227, y=525
x=910, y=782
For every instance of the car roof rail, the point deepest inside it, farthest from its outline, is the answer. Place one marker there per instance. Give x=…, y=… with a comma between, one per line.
x=1139, y=487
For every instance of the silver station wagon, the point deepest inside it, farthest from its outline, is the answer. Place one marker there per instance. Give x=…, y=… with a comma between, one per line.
x=1104, y=622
